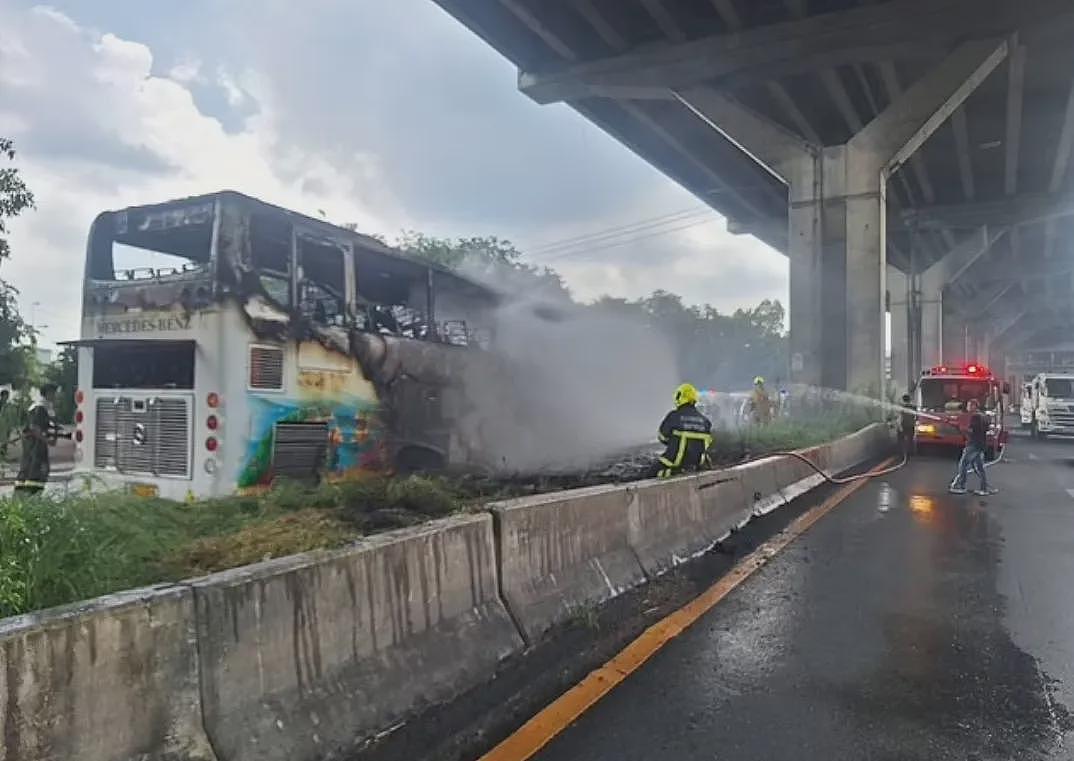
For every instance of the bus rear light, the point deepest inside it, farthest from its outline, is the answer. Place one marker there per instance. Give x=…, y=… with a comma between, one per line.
x=210, y=466
x=78, y=436
x=79, y=397
x=212, y=422
x=213, y=400
x=79, y=417
x=211, y=443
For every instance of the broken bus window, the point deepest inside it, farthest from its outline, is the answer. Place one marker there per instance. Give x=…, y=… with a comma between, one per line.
x=151, y=242
x=270, y=249
x=322, y=268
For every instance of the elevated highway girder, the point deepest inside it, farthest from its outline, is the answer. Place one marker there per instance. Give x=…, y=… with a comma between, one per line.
x=821, y=72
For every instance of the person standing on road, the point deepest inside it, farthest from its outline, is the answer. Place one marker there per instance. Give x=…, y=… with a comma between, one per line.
x=907, y=423
x=973, y=454
x=38, y=435
x=687, y=434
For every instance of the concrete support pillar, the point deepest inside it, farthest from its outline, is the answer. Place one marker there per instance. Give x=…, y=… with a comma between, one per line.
x=900, y=314
x=955, y=337
x=837, y=269
x=930, y=299
x=943, y=332
x=984, y=348
x=837, y=213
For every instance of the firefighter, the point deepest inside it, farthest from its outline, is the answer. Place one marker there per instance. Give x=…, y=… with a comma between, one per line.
x=687, y=434
x=38, y=435
x=760, y=404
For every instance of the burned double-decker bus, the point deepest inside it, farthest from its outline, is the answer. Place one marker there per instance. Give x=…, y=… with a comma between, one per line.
x=227, y=342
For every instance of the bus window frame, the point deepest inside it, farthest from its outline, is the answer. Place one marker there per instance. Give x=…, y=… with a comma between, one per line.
x=421, y=279
x=345, y=247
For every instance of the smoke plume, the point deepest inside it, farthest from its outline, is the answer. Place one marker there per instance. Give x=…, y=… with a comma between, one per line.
x=581, y=385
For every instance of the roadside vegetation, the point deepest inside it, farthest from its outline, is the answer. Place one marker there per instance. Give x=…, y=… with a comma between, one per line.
x=55, y=551
x=785, y=433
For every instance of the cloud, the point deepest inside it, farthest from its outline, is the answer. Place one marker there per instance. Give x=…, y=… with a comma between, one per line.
x=389, y=115
x=96, y=130
x=187, y=71
x=236, y=96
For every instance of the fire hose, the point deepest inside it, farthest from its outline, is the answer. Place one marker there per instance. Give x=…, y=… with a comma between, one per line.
x=837, y=480
x=842, y=480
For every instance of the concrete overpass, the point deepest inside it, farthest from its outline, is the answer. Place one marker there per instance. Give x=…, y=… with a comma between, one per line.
x=908, y=155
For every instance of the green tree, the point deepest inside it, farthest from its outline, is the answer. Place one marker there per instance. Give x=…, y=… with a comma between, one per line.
x=15, y=197
x=64, y=373
x=714, y=350
x=490, y=259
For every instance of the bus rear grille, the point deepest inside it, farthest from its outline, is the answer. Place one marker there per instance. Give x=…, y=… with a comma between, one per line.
x=299, y=450
x=149, y=436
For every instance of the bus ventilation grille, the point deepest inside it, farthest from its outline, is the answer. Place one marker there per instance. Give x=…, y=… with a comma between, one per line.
x=149, y=436
x=299, y=450
x=266, y=368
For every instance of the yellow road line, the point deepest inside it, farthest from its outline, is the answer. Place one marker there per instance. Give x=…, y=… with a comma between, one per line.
x=564, y=710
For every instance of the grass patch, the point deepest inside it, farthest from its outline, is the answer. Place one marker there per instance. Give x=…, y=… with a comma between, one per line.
x=297, y=532
x=731, y=445
x=56, y=551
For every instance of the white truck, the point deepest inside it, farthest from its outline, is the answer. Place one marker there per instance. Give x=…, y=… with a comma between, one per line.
x=1048, y=405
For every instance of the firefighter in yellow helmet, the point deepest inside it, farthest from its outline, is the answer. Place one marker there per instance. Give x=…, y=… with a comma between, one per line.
x=687, y=434
x=760, y=403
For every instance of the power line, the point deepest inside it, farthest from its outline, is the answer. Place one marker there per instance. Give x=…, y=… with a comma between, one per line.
x=618, y=231
x=586, y=250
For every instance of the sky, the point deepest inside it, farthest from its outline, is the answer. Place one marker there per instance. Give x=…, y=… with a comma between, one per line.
x=390, y=115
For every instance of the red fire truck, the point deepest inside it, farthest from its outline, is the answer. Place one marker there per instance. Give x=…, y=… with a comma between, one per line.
x=942, y=394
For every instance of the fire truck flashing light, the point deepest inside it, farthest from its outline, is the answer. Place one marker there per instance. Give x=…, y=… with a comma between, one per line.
x=971, y=369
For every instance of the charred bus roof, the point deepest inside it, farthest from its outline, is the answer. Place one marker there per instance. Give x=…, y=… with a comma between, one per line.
x=187, y=227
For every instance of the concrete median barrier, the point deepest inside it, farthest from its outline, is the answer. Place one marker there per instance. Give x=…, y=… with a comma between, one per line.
x=305, y=656
x=562, y=552
x=761, y=487
x=672, y=521
x=862, y=445
x=113, y=679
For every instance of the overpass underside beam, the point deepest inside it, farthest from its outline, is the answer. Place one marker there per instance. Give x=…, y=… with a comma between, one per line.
x=837, y=218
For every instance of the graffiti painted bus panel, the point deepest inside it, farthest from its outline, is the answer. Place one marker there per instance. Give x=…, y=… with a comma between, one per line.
x=227, y=343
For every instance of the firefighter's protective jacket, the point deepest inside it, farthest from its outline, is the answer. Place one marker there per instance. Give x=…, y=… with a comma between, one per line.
x=761, y=406
x=688, y=436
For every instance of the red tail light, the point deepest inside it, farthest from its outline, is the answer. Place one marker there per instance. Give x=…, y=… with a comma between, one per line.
x=79, y=416
x=79, y=397
x=78, y=436
x=211, y=443
x=213, y=400
x=212, y=422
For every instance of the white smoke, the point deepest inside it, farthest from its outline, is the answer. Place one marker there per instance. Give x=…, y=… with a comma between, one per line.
x=583, y=385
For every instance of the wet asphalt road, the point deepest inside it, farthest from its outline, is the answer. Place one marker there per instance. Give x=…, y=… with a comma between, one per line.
x=907, y=624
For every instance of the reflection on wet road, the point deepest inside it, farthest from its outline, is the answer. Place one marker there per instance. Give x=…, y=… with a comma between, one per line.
x=907, y=624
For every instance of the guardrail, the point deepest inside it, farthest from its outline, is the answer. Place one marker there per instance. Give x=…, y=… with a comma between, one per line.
x=300, y=658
